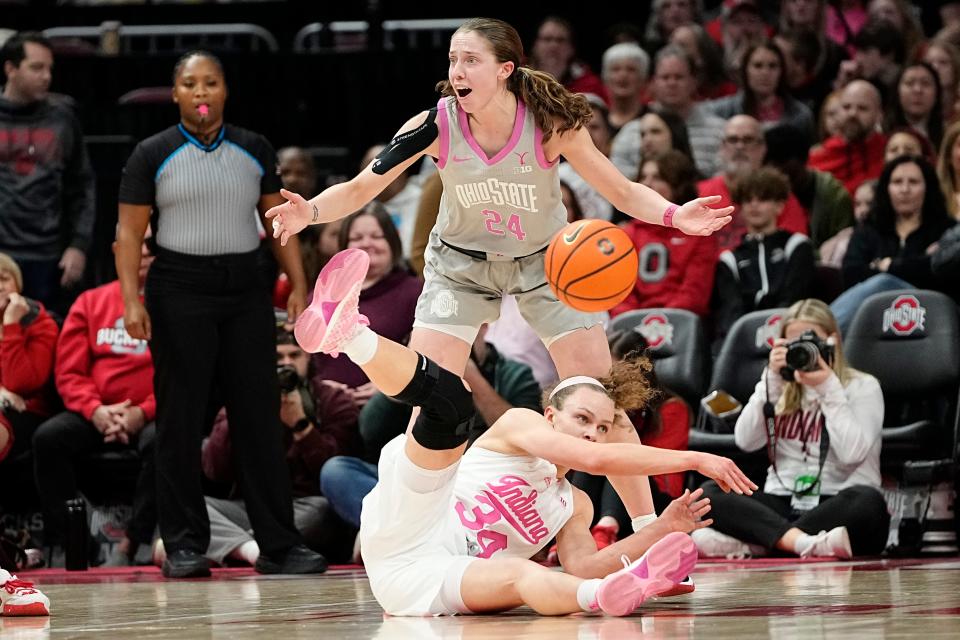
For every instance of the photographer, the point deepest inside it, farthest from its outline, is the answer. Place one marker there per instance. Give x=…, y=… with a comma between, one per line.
x=820, y=421
x=320, y=422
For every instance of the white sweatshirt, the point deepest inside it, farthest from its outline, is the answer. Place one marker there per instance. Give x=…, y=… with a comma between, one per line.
x=854, y=420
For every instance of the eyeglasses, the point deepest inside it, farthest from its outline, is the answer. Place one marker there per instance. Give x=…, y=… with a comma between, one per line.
x=747, y=141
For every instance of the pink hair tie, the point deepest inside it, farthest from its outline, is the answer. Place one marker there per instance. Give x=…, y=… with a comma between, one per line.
x=668, y=215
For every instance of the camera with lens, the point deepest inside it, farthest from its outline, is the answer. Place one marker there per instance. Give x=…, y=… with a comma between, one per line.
x=288, y=378
x=803, y=353
x=289, y=381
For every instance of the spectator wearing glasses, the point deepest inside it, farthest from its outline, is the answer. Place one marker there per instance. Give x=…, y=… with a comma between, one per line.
x=555, y=53
x=742, y=152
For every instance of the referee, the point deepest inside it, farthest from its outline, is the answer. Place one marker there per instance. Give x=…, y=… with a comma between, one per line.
x=209, y=318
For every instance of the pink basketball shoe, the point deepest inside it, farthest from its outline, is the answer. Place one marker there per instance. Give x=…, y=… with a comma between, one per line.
x=659, y=570
x=333, y=319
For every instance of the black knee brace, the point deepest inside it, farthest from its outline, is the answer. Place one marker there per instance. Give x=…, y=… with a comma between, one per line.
x=446, y=406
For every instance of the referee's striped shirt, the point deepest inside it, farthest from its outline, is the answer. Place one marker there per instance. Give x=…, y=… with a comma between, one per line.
x=205, y=195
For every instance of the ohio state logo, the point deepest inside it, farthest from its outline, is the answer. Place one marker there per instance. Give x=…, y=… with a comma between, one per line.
x=904, y=317
x=656, y=330
x=768, y=332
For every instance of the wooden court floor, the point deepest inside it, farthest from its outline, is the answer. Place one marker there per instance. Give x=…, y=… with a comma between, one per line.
x=880, y=599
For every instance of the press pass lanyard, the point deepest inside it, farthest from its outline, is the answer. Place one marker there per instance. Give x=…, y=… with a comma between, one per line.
x=769, y=414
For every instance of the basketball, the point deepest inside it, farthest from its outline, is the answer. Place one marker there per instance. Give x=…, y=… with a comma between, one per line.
x=591, y=265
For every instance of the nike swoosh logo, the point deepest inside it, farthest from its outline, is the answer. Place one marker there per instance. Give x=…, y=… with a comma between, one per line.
x=458, y=159
x=570, y=238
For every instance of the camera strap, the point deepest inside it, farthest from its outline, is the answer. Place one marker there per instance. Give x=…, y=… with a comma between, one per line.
x=769, y=415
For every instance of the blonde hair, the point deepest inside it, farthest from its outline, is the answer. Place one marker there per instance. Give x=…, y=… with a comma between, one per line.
x=815, y=312
x=629, y=384
x=552, y=105
x=10, y=266
x=948, y=177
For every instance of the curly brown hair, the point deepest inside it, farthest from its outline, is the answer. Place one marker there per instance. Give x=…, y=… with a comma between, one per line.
x=554, y=107
x=630, y=384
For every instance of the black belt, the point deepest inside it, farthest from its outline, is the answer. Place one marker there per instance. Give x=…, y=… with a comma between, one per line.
x=492, y=257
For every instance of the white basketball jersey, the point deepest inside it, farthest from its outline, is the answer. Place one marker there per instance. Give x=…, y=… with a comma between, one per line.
x=509, y=204
x=509, y=506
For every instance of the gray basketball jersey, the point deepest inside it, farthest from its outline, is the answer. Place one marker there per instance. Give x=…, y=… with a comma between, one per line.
x=508, y=204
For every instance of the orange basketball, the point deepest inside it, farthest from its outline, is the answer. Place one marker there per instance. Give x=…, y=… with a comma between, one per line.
x=591, y=265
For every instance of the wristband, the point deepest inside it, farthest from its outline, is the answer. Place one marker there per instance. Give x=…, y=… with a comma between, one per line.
x=641, y=521
x=668, y=215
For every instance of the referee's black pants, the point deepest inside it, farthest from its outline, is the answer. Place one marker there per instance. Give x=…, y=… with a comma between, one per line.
x=213, y=330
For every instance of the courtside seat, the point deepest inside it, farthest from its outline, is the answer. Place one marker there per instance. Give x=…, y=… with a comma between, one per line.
x=736, y=370
x=678, y=347
x=910, y=341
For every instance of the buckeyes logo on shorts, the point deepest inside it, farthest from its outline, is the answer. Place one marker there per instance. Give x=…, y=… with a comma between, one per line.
x=444, y=304
x=904, y=317
x=656, y=330
x=768, y=331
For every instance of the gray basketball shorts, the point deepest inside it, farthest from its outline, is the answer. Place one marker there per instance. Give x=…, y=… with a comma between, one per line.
x=461, y=292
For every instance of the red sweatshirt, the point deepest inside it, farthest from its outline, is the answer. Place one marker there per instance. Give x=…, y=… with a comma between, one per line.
x=676, y=270
x=97, y=360
x=674, y=434
x=850, y=162
x=26, y=358
x=793, y=218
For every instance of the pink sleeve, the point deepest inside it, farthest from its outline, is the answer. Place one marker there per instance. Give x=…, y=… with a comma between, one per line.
x=444, y=133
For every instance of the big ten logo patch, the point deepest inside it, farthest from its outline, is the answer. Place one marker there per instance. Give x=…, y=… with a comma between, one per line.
x=656, y=329
x=904, y=317
x=768, y=332
x=522, y=167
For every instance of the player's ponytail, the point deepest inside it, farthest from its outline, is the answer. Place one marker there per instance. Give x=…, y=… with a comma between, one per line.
x=553, y=106
x=631, y=383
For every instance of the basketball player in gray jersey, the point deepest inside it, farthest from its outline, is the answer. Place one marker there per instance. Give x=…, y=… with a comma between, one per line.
x=497, y=135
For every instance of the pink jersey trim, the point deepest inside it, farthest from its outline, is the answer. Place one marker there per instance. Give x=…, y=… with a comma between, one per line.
x=511, y=143
x=444, y=133
x=538, y=147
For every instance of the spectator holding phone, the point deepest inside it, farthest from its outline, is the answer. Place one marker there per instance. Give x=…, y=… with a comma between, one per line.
x=820, y=421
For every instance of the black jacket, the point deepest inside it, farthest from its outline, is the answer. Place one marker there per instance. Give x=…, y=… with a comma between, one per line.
x=46, y=183
x=945, y=262
x=909, y=260
x=763, y=272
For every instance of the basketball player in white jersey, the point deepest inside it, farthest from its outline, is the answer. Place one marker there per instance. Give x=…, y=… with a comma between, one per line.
x=423, y=529
x=496, y=135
